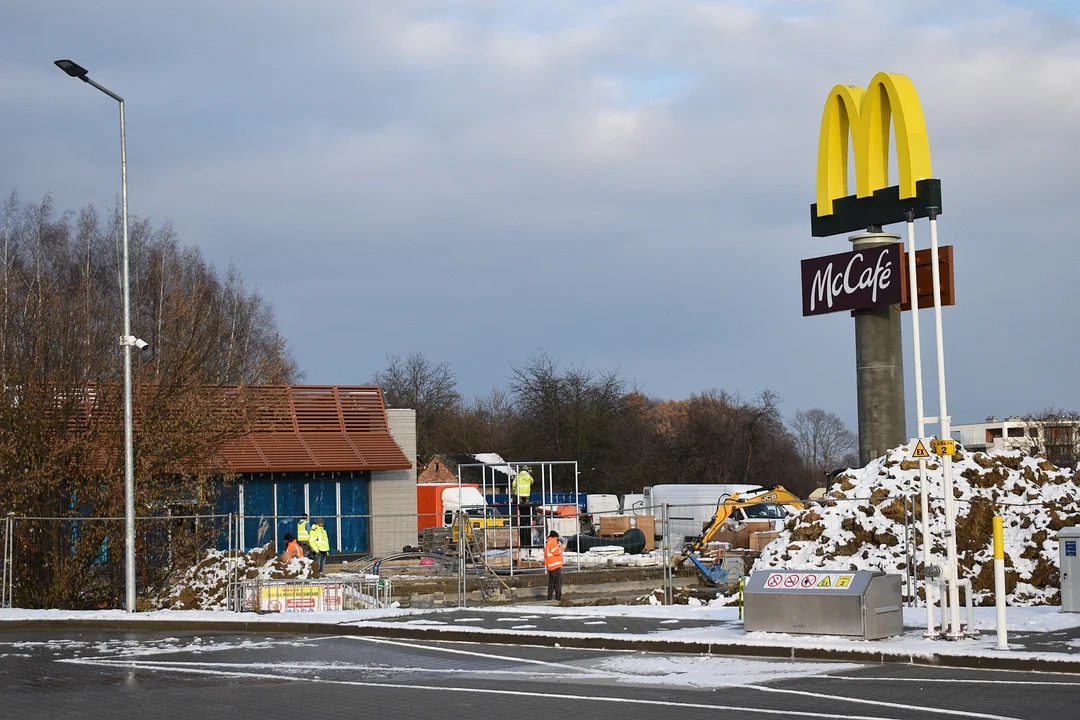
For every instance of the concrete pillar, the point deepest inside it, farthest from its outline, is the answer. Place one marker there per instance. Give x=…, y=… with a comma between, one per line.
x=879, y=367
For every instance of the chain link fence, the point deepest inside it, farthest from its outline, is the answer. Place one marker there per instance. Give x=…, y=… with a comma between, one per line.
x=78, y=562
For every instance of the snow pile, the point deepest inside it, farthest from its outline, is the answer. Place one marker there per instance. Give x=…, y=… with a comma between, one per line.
x=204, y=586
x=860, y=524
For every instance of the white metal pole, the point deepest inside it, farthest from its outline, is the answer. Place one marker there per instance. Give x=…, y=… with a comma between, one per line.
x=229, y=565
x=999, y=583
x=75, y=70
x=946, y=460
x=920, y=417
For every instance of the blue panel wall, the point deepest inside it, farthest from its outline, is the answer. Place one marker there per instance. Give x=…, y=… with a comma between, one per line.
x=264, y=522
x=322, y=504
x=355, y=530
x=290, y=506
x=258, y=514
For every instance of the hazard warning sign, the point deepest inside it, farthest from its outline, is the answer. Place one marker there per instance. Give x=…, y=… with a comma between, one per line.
x=843, y=581
x=920, y=451
x=825, y=582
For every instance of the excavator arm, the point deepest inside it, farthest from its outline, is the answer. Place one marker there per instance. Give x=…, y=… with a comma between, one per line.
x=727, y=506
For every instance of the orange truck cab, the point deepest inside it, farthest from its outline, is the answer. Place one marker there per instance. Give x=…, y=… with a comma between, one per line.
x=437, y=502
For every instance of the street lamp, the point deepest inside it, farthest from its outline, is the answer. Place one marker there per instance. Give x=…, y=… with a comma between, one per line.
x=127, y=341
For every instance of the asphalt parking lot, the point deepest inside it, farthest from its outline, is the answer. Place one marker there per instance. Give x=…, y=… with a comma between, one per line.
x=62, y=673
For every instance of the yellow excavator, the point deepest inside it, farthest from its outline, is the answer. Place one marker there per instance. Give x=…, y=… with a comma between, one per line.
x=765, y=505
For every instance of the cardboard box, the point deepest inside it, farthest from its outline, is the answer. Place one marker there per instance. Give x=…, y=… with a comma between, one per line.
x=612, y=525
x=737, y=537
x=759, y=540
x=615, y=525
x=647, y=525
x=759, y=525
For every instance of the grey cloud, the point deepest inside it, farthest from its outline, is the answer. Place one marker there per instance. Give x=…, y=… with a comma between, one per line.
x=502, y=163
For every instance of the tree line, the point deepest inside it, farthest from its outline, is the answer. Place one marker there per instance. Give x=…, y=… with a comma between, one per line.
x=61, y=399
x=621, y=438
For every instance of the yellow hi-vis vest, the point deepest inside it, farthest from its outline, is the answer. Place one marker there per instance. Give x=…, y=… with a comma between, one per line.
x=319, y=540
x=302, y=531
x=522, y=484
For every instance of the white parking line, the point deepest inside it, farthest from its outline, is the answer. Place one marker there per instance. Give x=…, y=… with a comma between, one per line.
x=165, y=666
x=881, y=703
x=486, y=656
x=958, y=680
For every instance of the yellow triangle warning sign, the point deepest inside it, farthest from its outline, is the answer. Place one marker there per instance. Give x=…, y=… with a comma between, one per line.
x=825, y=582
x=920, y=451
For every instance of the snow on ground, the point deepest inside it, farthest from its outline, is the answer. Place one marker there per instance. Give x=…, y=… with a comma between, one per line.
x=710, y=671
x=860, y=524
x=205, y=586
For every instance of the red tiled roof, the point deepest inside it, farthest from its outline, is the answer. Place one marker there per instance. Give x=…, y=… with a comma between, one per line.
x=301, y=428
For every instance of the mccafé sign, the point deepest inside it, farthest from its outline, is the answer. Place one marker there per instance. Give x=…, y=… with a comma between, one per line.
x=866, y=278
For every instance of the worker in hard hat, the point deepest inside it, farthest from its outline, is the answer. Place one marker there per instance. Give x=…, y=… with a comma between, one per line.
x=302, y=533
x=520, y=490
x=521, y=487
x=553, y=562
x=320, y=545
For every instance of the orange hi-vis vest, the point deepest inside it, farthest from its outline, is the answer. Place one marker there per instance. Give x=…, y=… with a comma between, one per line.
x=294, y=546
x=553, y=552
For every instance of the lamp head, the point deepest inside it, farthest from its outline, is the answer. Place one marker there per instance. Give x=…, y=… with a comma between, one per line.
x=73, y=69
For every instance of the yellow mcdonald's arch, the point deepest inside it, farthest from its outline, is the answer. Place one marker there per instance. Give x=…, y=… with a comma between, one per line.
x=865, y=115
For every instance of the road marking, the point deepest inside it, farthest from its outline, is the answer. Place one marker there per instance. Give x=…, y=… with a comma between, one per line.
x=151, y=665
x=958, y=680
x=486, y=656
x=320, y=665
x=881, y=703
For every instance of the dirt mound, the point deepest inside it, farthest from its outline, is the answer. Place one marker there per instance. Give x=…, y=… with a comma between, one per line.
x=204, y=586
x=860, y=524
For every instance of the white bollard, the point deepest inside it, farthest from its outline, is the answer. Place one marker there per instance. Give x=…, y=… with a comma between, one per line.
x=999, y=583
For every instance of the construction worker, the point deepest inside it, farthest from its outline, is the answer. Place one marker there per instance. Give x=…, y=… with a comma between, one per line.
x=521, y=487
x=553, y=561
x=292, y=549
x=320, y=544
x=302, y=534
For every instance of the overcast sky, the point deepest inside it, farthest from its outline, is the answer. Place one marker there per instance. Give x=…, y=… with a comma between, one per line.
x=623, y=185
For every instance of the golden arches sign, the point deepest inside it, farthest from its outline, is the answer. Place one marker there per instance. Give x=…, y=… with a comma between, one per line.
x=864, y=116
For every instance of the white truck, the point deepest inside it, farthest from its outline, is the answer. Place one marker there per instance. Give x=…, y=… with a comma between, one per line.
x=690, y=506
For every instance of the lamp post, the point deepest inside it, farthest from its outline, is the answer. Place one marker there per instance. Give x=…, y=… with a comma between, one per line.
x=127, y=340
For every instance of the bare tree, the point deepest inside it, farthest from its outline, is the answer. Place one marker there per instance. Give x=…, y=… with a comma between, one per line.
x=822, y=439
x=428, y=387
x=1054, y=432
x=61, y=402
x=572, y=414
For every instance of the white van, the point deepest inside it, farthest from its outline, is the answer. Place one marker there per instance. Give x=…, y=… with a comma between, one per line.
x=601, y=503
x=634, y=504
x=690, y=506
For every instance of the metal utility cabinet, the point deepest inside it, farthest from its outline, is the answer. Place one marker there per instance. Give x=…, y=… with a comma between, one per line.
x=1068, y=544
x=865, y=604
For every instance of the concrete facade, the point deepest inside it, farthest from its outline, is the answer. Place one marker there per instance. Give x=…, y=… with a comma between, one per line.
x=879, y=368
x=393, y=492
x=1058, y=438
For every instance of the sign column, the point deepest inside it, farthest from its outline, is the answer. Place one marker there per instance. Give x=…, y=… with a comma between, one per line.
x=879, y=363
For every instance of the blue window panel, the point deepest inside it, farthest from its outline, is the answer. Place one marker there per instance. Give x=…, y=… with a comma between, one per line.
x=258, y=514
x=226, y=500
x=355, y=530
x=290, y=506
x=322, y=503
